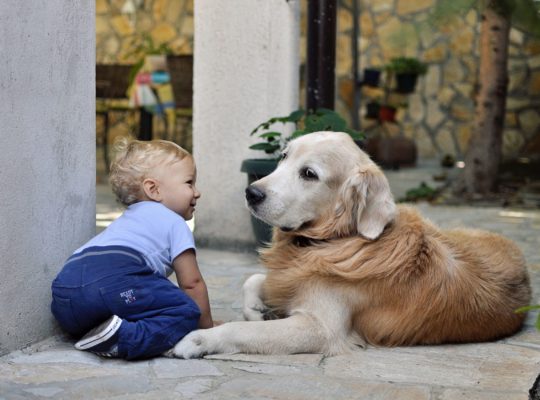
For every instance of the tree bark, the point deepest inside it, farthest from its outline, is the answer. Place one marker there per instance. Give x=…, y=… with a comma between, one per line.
x=485, y=146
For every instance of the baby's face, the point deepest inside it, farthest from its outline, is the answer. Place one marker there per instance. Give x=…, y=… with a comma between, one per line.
x=177, y=187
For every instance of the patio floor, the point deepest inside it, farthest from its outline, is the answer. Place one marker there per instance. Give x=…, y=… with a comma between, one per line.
x=502, y=370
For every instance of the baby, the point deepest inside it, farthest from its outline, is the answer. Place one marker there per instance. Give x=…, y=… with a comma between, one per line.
x=115, y=287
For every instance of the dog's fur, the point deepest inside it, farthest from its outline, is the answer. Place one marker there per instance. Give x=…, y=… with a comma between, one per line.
x=349, y=267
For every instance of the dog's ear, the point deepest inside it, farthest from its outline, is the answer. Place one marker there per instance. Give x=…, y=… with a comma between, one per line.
x=367, y=200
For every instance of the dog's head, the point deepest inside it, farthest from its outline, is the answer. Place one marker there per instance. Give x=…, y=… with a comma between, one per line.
x=324, y=187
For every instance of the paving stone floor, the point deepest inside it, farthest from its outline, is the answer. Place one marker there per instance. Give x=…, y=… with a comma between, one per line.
x=503, y=370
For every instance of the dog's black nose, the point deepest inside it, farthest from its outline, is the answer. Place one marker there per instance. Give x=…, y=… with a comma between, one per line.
x=254, y=195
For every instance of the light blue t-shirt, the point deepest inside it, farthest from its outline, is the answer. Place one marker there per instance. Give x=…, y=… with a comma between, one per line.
x=150, y=228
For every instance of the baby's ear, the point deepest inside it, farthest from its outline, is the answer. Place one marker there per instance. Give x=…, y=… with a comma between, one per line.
x=151, y=189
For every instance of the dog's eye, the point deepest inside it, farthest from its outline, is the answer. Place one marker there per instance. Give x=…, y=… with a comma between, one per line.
x=282, y=156
x=308, y=174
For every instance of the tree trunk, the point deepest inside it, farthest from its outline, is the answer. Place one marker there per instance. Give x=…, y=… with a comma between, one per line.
x=485, y=146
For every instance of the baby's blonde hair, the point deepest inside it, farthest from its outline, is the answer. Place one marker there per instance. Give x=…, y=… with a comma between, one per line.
x=133, y=163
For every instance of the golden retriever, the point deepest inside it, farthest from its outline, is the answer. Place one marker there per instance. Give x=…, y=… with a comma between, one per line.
x=347, y=266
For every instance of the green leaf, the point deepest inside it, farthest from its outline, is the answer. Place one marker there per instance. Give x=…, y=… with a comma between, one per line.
x=267, y=147
x=296, y=116
x=356, y=135
x=270, y=135
x=527, y=308
x=297, y=133
x=525, y=17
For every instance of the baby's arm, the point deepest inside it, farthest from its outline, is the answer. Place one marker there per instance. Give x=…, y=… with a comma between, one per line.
x=191, y=281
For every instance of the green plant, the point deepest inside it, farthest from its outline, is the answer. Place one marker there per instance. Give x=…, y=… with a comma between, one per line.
x=322, y=119
x=141, y=46
x=406, y=65
x=422, y=192
x=529, y=308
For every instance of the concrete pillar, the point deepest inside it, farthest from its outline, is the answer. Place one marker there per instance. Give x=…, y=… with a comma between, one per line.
x=47, y=159
x=246, y=70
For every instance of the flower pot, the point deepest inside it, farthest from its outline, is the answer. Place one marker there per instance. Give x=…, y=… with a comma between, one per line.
x=406, y=83
x=387, y=113
x=394, y=152
x=372, y=110
x=257, y=169
x=371, y=77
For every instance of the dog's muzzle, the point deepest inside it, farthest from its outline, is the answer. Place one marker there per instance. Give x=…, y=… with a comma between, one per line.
x=254, y=195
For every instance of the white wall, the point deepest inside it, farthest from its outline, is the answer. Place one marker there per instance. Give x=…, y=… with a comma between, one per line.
x=47, y=159
x=246, y=70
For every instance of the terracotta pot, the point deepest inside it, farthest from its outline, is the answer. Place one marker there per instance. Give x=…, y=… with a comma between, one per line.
x=387, y=113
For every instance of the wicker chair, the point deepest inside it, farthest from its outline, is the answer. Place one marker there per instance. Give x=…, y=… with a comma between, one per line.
x=181, y=75
x=112, y=83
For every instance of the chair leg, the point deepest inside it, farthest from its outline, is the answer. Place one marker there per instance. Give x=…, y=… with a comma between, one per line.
x=106, y=141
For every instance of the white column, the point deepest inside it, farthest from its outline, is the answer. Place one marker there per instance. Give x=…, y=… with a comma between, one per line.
x=246, y=70
x=47, y=159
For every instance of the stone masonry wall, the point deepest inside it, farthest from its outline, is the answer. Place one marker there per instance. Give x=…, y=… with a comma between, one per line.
x=438, y=116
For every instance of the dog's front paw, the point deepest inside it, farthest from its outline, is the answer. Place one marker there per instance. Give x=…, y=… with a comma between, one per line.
x=255, y=311
x=193, y=345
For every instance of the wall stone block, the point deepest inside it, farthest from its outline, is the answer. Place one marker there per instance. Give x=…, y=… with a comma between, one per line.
x=405, y=7
x=121, y=25
x=397, y=38
x=453, y=71
x=436, y=54
x=380, y=5
x=102, y=7
x=434, y=115
x=513, y=142
x=366, y=25
x=534, y=86
x=463, y=133
x=163, y=33
x=344, y=20
x=532, y=47
x=461, y=112
x=534, y=62
x=462, y=42
x=510, y=120
x=432, y=81
x=517, y=79
x=529, y=121
x=445, y=96
x=416, y=109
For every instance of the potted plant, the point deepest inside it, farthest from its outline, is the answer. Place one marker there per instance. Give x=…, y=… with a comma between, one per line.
x=387, y=113
x=406, y=71
x=371, y=77
x=273, y=142
x=373, y=109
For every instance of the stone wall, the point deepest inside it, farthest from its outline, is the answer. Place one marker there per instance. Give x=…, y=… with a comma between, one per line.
x=165, y=21
x=438, y=116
